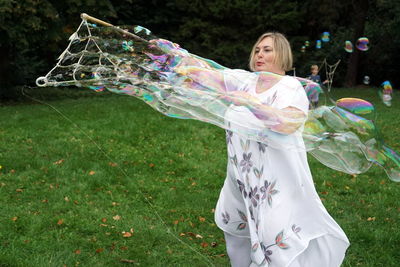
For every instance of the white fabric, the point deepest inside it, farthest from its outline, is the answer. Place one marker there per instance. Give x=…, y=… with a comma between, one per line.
x=238, y=249
x=269, y=195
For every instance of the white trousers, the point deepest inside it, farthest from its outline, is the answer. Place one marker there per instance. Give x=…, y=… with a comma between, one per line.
x=238, y=249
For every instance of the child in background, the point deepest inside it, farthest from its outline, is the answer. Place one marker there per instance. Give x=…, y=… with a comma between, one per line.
x=314, y=74
x=317, y=79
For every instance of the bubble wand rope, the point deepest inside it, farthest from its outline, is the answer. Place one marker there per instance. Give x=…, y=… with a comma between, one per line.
x=121, y=170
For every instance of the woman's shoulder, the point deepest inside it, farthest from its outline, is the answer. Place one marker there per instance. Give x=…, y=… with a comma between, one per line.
x=291, y=82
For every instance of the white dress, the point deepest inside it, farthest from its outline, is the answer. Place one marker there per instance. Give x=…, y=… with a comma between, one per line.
x=269, y=195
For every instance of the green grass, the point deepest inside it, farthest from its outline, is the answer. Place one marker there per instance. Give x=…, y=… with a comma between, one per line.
x=68, y=191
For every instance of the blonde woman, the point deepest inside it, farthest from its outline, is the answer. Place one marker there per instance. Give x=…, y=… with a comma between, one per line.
x=268, y=208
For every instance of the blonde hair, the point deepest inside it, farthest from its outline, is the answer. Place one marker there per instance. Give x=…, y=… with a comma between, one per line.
x=314, y=67
x=283, y=52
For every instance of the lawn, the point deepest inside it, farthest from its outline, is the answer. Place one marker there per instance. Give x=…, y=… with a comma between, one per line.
x=95, y=179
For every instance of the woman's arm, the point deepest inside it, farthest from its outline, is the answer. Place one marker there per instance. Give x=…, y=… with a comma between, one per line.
x=285, y=121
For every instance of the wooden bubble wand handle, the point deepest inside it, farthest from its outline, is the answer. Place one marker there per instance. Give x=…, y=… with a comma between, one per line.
x=86, y=17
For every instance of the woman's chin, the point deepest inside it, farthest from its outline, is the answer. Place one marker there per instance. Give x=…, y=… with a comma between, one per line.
x=261, y=69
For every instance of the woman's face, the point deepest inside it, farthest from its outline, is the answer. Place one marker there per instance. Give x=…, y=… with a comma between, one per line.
x=264, y=57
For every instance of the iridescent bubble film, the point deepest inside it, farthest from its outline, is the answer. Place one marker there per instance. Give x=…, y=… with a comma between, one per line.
x=386, y=93
x=325, y=37
x=362, y=44
x=348, y=47
x=313, y=91
x=366, y=80
x=318, y=44
x=355, y=105
x=132, y=61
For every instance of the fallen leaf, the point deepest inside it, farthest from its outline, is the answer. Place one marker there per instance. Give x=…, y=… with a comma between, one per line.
x=202, y=219
x=151, y=165
x=103, y=220
x=66, y=199
x=60, y=221
x=77, y=251
x=58, y=162
x=99, y=250
x=214, y=244
x=92, y=172
x=19, y=190
x=127, y=261
x=117, y=217
x=126, y=234
x=371, y=219
x=204, y=244
x=45, y=201
x=123, y=248
x=112, y=164
x=176, y=222
x=14, y=218
x=199, y=236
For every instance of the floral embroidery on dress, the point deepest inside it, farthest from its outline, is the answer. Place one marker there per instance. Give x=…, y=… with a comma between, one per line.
x=251, y=212
x=268, y=191
x=243, y=217
x=242, y=188
x=234, y=160
x=296, y=230
x=278, y=242
x=229, y=137
x=245, y=145
x=254, y=196
x=258, y=173
x=246, y=162
x=225, y=217
x=261, y=147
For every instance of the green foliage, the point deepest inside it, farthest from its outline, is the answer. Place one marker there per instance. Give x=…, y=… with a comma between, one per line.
x=221, y=30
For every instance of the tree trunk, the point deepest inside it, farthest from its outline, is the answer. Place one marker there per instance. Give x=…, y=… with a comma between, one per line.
x=360, y=9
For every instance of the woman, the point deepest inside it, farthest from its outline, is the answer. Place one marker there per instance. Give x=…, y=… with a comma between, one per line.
x=268, y=208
